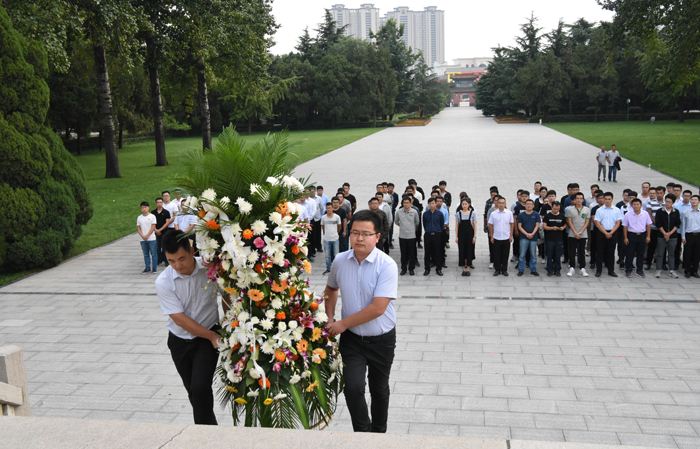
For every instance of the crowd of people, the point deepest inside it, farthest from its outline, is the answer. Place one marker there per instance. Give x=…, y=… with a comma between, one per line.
x=657, y=226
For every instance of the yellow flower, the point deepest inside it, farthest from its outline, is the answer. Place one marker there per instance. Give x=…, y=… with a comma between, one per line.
x=316, y=334
x=268, y=401
x=231, y=389
x=307, y=266
x=241, y=401
x=311, y=387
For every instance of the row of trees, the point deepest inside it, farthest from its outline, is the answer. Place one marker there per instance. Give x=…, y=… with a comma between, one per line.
x=129, y=62
x=586, y=68
x=345, y=79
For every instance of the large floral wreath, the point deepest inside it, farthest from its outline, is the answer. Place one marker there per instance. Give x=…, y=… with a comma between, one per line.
x=279, y=367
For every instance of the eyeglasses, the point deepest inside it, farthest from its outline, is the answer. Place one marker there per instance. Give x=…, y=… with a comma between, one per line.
x=364, y=235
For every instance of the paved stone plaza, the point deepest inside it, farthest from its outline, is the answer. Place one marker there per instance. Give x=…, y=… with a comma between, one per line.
x=565, y=359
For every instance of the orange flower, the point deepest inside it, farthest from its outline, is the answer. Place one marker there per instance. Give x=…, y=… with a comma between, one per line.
x=236, y=347
x=247, y=234
x=302, y=346
x=316, y=334
x=281, y=316
x=231, y=291
x=213, y=225
x=280, y=356
x=282, y=208
x=292, y=291
x=321, y=353
x=234, y=324
x=313, y=305
x=255, y=294
x=295, y=357
x=279, y=287
x=253, y=348
x=267, y=383
x=295, y=250
x=201, y=213
x=307, y=266
x=258, y=268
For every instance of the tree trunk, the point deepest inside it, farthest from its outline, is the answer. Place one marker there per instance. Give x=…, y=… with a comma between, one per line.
x=571, y=106
x=156, y=100
x=375, y=119
x=106, y=113
x=120, y=144
x=205, y=116
x=99, y=141
x=78, y=144
x=250, y=125
x=681, y=100
x=595, y=115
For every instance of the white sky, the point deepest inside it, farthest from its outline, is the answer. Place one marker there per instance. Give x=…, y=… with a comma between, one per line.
x=471, y=28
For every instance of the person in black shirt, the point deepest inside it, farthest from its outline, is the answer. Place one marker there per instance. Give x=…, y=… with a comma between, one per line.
x=350, y=197
x=668, y=222
x=434, y=223
x=523, y=195
x=339, y=211
x=163, y=219
x=554, y=223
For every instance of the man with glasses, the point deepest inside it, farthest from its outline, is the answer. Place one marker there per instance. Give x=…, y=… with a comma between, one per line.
x=368, y=281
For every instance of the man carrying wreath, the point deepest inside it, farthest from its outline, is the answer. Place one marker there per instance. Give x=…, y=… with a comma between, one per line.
x=368, y=281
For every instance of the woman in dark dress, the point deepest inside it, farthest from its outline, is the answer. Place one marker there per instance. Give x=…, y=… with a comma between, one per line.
x=465, y=223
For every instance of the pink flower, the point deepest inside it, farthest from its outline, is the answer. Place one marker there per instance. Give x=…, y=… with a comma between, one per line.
x=258, y=242
x=277, y=367
x=307, y=320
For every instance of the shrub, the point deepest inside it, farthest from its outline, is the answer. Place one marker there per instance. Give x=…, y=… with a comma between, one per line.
x=553, y=111
x=592, y=110
x=45, y=201
x=635, y=109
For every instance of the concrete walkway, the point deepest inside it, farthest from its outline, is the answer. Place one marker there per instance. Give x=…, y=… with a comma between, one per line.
x=613, y=361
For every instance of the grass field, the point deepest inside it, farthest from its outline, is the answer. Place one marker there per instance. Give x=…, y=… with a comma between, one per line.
x=116, y=201
x=670, y=147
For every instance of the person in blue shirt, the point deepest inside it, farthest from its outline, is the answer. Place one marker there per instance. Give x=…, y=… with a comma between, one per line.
x=433, y=225
x=440, y=205
x=528, y=225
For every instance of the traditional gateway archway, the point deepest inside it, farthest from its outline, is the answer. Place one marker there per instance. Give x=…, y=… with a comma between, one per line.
x=463, y=87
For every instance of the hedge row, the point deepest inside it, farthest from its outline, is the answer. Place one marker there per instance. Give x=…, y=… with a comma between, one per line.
x=613, y=117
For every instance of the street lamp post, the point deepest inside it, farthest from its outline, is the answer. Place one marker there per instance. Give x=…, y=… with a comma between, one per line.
x=628, y=109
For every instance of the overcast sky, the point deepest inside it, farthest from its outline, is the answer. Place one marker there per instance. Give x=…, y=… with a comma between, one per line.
x=472, y=28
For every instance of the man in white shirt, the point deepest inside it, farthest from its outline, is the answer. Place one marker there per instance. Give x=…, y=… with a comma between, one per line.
x=501, y=225
x=602, y=159
x=612, y=169
x=368, y=281
x=193, y=316
x=146, y=227
x=536, y=191
x=171, y=207
x=314, y=215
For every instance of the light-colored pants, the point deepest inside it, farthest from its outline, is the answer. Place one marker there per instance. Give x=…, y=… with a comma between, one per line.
x=661, y=247
x=603, y=169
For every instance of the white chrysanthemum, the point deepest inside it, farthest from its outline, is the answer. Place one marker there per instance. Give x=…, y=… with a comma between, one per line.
x=270, y=314
x=209, y=194
x=253, y=257
x=243, y=317
x=192, y=202
x=256, y=188
x=294, y=379
x=276, y=304
x=272, y=180
x=287, y=181
x=284, y=276
x=220, y=282
x=335, y=365
x=278, y=259
x=321, y=317
x=258, y=227
x=298, y=333
x=306, y=374
x=267, y=324
x=225, y=201
x=282, y=326
x=255, y=320
x=267, y=348
x=280, y=396
x=235, y=228
x=255, y=374
x=213, y=244
x=276, y=218
x=231, y=376
x=293, y=324
x=244, y=206
x=232, y=340
x=293, y=270
x=226, y=265
x=253, y=393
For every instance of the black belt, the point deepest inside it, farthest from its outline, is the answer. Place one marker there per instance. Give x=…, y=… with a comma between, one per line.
x=432, y=233
x=636, y=233
x=375, y=338
x=695, y=232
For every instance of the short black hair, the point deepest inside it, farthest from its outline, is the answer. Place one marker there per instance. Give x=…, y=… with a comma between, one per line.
x=556, y=203
x=574, y=185
x=164, y=192
x=610, y=194
x=551, y=192
x=442, y=183
x=378, y=193
x=627, y=191
x=431, y=200
x=385, y=183
x=346, y=184
x=174, y=240
x=678, y=186
x=632, y=193
x=695, y=196
x=335, y=198
x=688, y=191
x=390, y=184
x=405, y=198
x=529, y=201
x=577, y=194
x=671, y=197
x=374, y=198
x=340, y=190
x=519, y=192
x=524, y=192
x=493, y=189
x=329, y=204
x=599, y=193
x=596, y=186
x=319, y=188
x=544, y=188
x=411, y=181
x=646, y=182
x=435, y=191
x=637, y=200
x=145, y=203
x=538, y=182
x=439, y=197
x=159, y=198
x=662, y=188
x=367, y=215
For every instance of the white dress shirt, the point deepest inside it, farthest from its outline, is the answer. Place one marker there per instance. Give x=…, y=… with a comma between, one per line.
x=501, y=222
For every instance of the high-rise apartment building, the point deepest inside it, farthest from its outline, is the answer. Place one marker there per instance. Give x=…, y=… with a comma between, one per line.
x=423, y=31
x=359, y=21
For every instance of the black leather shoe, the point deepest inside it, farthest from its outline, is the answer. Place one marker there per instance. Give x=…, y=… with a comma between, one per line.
x=411, y=272
x=520, y=273
x=534, y=273
x=612, y=274
x=504, y=273
x=426, y=272
x=403, y=272
x=417, y=264
x=496, y=273
x=598, y=274
x=420, y=246
x=444, y=266
x=439, y=272
x=695, y=275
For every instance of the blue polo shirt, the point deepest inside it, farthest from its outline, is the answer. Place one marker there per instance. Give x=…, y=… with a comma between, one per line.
x=433, y=221
x=529, y=221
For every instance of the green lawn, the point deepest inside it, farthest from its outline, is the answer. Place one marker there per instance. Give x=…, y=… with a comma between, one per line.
x=116, y=201
x=670, y=147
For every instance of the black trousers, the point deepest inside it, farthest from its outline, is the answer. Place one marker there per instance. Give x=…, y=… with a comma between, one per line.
x=159, y=247
x=691, y=253
x=679, y=245
x=621, y=247
x=635, y=248
x=408, y=253
x=501, y=249
x=577, y=247
x=651, y=247
x=433, y=245
x=195, y=361
x=605, y=252
x=374, y=359
x=316, y=235
x=516, y=245
x=593, y=243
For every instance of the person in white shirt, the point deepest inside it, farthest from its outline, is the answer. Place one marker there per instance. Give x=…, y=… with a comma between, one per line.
x=189, y=301
x=171, y=207
x=146, y=227
x=536, y=191
x=331, y=224
x=501, y=225
x=602, y=160
x=612, y=169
